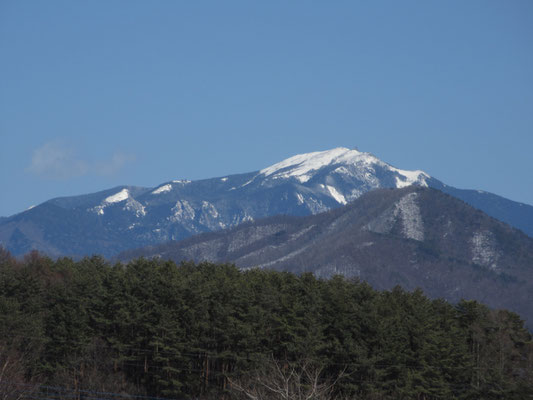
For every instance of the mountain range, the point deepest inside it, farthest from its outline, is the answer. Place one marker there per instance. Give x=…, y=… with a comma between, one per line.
x=128, y=217
x=413, y=237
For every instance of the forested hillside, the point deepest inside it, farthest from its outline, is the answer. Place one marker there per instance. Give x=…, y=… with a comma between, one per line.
x=413, y=237
x=153, y=328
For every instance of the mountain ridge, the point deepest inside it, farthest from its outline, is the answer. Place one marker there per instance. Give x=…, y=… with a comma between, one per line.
x=113, y=220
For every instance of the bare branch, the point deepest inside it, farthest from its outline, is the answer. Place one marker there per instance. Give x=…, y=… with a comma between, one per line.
x=286, y=381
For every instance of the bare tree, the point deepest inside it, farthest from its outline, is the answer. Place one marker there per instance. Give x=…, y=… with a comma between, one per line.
x=13, y=385
x=286, y=381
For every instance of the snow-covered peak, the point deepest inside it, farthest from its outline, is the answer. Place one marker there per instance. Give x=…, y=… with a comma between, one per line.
x=302, y=165
x=118, y=197
x=163, y=189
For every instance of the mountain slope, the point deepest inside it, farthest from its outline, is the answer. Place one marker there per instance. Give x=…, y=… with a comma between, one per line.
x=414, y=237
x=516, y=214
x=126, y=217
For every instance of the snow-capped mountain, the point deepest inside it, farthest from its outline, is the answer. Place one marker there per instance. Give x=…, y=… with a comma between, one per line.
x=127, y=217
x=351, y=163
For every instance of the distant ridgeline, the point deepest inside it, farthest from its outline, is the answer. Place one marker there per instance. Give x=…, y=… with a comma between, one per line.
x=153, y=328
x=128, y=217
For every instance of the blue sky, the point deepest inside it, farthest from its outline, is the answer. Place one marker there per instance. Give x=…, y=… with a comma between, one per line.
x=95, y=94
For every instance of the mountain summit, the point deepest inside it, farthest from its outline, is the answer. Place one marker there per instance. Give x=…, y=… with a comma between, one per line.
x=343, y=161
x=127, y=217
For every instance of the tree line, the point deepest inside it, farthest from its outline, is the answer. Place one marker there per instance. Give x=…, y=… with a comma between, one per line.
x=154, y=328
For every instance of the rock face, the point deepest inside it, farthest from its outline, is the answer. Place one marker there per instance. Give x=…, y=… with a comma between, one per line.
x=413, y=237
x=126, y=217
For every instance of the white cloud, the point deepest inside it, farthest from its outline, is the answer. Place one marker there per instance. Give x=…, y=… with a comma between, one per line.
x=54, y=160
x=113, y=165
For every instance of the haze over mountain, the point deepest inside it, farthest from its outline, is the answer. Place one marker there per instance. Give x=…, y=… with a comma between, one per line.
x=127, y=217
x=413, y=237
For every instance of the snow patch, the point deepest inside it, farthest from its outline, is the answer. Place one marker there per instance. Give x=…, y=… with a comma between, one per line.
x=336, y=195
x=247, y=218
x=182, y=211
x=240, y=218
x=210, y=209
x=163, y=189
x=209, y=216
x=342, y=170
x=296, y=235
x=284, y=258
x=136, y=207
x=408, y=211
x=413, y=227
x=118, y=197
x=408, y=178
x=354, y=194
x=315, y=206
x=300, y=198
x=484, y=249
x=182, y=181
x=115, y=198
x=131, y=204
x=224, y=179
x=247, y=183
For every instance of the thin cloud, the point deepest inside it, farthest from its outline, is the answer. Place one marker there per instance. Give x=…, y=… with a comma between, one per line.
x=115, y=164
x=54, y=160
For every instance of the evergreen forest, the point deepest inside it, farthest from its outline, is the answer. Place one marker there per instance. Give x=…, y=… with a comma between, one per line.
x=151, y=329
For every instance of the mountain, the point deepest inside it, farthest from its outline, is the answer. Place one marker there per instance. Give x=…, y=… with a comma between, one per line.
x=413, y=237
x=127, y=217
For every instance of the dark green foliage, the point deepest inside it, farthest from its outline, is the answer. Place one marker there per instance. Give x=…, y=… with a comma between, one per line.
x=188, y=331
